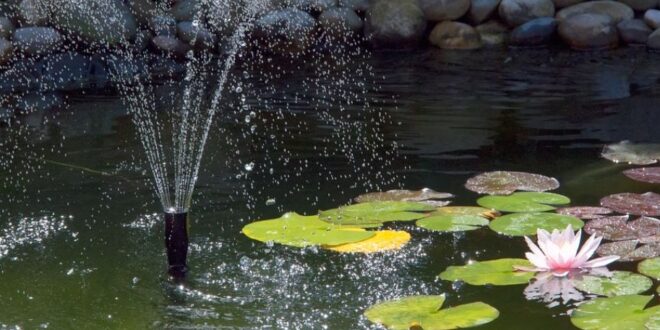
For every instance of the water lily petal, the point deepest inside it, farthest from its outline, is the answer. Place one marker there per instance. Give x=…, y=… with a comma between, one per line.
x=537, y=261
x=535, y=249
x=588, y=250
x=600, y=262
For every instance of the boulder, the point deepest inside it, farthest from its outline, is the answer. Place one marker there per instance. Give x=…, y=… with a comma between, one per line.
x=444, y=10
x=170, y=46
x=37, y=40
x=359, y=6
x=589, y=32
x=185, y=10
x=535, y=32
x=395, y=24
x=517, y=12
x=142, y=40
x=641, y=5
x=455, y=35
x=481, y=10
x=654, y=40
x=196, y=35
x=285, y=31
x=493, y=33
x=32, y=12
x=6, y=27
x=652, y=18
x=107, y=22
x=634, y=31
x=566, y=3
x=6, y=51
x=314, y=6
x=340, y=20
x=143, y=10
x=616, y=10
x=163, y=25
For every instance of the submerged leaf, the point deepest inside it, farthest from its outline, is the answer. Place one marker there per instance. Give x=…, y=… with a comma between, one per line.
x=632, y=153
x=507, y=182
x=375, y=213
x=615, y=313
x=426, y=195
x=618, y=228
x=524, y=202
x=494, y=272
x=425, y=312
x=384, y=240
x=631, y=250
x=618, y=284
x=585, y=212
x=629, y=203
x=644, y=174
x=650, y=267
x=526, y=224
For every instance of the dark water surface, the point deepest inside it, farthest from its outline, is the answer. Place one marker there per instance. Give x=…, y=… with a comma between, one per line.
x=451, y=115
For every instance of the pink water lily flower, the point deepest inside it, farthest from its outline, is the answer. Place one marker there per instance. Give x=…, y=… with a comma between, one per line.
x=560, y=252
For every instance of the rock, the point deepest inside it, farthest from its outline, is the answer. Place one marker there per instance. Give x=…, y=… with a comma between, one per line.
x=589, y=32
x=196, y=35
x=652, y=18
x=285, y=31
x=142, y=40
x=39, y=101
x=163, y=26
x=641, y=5
x=314, y=6
x=143, y=10
x=395, y=24
x=493, y=33
x=481, y=10
x=634, y=31
x=535, y=32
x=170, y=46
x=6, y=51
x=444, y=10
x=455, y=35
x=566, y=3
x=360, y=6
x=37, y=40
x=185, y=10
x=32, y=13
x=616, y=10
x=654, y=40
x=6, y=27
x=70, y=72
x=517, y=12
x=98, y=21
x=340, y=20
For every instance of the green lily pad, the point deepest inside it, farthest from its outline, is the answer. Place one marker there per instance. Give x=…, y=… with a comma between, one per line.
x=467, y=210
x=650, y=267
x=425, y=312
x=376, y=213
x=297, y=230
x=524, y=224
x=616, y=313
x=524, y=202
x=494, y=272
x=619, y=284
x=450, y=223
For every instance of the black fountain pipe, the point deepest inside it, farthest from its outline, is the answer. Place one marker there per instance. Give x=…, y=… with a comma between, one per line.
x=176, y=242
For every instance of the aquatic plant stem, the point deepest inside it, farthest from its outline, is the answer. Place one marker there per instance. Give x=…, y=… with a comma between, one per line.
x=176, y=243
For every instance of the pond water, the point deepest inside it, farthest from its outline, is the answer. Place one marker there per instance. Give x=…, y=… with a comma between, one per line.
x=450, y=114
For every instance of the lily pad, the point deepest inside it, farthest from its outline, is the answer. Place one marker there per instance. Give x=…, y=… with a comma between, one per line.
x=631, y=250
x=451, y=223
x=494, y=272
x=384, y=240
x=644, y=174
x=523, y=224
x=618, y=228
x=616, y=313
x=650, y=267
x=619, y=284
x=524, y=202
x=297, y=230
x=632, y=153
x=376, y=213
x=507, y=182
x=426, y=195
x=629, y=203
x=425, y=312
x=585, y=212
x=467, y=210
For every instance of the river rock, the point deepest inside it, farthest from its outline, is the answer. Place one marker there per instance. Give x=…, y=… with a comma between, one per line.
x=170, y=46
x=517, y=12
x=654, y=40
x=535, y=32
x=314, y=6
x=395, y=23
x=444, y=10
x=340, y=20
x=589, y=32
x=652, y=18
x=481, y=10
x=185, y=10
x=360, y=6
x=32, y=12
x=285, y=31
x=455, y=35
x=641, y=5
x=98, y=21
x=196, y=35
x=6, y=51
x=142, y=40
x=6, y=27
x=37, y=40
x=633, y=31
x=566, y=3
x=143, y=10
x=616, y=10
x=163, y=25
x=493, y=33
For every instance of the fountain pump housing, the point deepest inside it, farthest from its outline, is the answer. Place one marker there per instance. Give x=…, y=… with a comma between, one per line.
x=176, y=243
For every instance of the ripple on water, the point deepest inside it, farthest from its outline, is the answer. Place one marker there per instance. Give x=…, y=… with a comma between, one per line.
x=30, y=231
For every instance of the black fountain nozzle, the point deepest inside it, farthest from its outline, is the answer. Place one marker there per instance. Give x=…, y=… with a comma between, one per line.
x=176, y=242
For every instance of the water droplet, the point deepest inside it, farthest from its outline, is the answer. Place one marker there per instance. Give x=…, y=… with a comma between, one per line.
x=249, y=167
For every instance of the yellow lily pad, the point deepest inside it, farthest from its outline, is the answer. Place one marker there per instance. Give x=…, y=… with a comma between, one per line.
x=468, y=210
x=384, y=240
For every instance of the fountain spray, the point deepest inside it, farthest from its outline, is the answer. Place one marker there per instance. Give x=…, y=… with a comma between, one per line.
x=176, y=242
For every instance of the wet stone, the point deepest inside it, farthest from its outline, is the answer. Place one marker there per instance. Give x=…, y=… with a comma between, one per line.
x=653, y=41
x=640, y=5
x=391, y=24
x=493, y=33
x=6, y=27
x=652, y=18
x=481, y=10
x=163, y=26
x=634, y=31
x=170, y=46
x=444, y=10
x=455, y=35
x=6, y=51
x=615, y=10
x=341, y=20
x=535, y=32
x=37, y=40
x=517, y=12
x=589, y=32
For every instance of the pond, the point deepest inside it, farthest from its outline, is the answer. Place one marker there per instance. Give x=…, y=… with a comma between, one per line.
x=94, y=256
